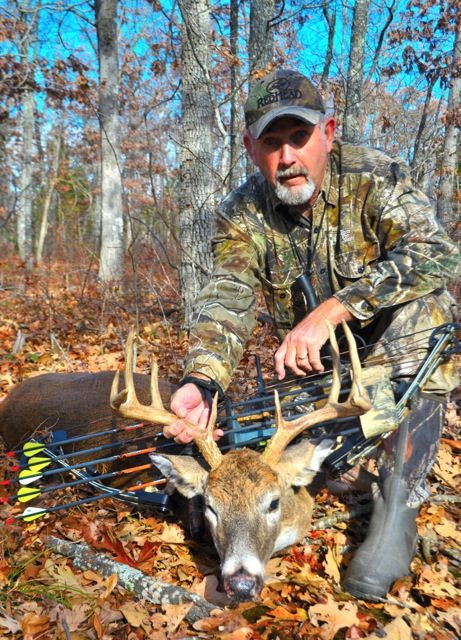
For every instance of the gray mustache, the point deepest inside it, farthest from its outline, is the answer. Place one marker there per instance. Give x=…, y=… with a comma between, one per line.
x=292, y=171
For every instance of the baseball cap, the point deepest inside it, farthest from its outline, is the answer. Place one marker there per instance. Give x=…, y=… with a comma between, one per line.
x=283, y=93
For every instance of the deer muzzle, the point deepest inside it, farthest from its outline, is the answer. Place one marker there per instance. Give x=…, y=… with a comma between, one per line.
x=242, y=586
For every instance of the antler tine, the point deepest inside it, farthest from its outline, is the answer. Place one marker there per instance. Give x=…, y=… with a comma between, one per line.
x=335, y=388
x=357, y=403
x=205, y=441
x=358, y=395
x=127, y=405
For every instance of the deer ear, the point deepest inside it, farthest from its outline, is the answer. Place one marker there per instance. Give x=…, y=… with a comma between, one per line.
x=300, y=463
x=184, y=472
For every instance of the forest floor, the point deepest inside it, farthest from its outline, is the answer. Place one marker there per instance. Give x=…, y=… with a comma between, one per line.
x=62, y=319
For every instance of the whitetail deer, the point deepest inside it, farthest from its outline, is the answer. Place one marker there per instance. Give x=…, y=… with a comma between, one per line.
x=255, y=504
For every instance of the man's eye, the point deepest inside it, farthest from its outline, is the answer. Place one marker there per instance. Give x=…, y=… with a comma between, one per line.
x=301, y=137
x=271, y=142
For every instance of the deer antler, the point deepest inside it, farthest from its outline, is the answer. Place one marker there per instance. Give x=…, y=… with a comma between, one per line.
x=127, y=405
x=356, y=404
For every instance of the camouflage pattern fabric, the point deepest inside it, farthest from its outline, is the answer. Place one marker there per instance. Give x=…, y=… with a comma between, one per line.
x=374, y=243
x=383, y=415
x=425, y=424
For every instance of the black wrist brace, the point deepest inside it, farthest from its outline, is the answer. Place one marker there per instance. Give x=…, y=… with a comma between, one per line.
x=208, y=388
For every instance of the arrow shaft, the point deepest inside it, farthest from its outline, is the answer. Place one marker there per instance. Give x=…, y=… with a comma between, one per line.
x=122, y=456
x=33, y=493
x=117, y=492
x=84, y=452
x=82, y=438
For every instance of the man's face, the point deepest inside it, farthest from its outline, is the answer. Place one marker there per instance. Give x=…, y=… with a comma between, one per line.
x=292, y=156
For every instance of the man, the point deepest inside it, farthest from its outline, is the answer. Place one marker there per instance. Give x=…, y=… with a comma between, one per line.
x=350, y=219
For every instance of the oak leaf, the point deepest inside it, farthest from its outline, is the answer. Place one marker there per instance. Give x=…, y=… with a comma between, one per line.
x=332, y=616
x=32, y=625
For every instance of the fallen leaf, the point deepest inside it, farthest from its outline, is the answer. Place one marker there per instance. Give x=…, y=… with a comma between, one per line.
x=135, y=614
x=454, y=444
x=395, y=630
x=172, y=534
x=32, y=624
x=75, y=617
x=175, y=614
x=448, y=529
x=9, y=623
x=331, y=567
x=282, y=613
x=453, y=617
x=334, y=615
x=62, y=575
x=437, y=584
x=208, y=589
x=222, y=624
x=109, y=585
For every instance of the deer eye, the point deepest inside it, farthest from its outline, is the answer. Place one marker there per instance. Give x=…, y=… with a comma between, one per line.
x=274, y=505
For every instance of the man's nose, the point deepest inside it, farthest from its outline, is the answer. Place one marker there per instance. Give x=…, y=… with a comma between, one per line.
x=287, y=155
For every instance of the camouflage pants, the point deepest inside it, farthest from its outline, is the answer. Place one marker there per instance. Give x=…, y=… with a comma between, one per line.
x=422, y=438
x=402, y=341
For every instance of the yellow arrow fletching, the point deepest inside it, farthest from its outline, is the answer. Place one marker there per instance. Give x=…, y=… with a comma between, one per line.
x=37, y=467
x=32, y=448
x=28, y=475
x=32, y=513
x=38, y=460
x=24, y=494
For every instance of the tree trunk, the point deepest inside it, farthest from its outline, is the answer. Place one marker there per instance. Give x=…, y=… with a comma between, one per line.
x=331, y=22
x=261, y=40
x=445, y=209
x=111, y=266
x=95, y=214
x=351, y=128
x=260, y=46
x=196, y=175
x=24, y=222
x=50, y=185
x=29, y=20
x=235, y=144
x=426, y=180
x=419, y=162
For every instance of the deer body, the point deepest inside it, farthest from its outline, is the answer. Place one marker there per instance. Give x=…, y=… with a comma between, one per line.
x=77, y=403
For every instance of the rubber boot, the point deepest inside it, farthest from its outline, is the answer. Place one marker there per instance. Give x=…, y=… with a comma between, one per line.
x=389, y=547
x=404, y=462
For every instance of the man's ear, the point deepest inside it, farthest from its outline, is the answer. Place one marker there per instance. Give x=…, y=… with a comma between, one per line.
x=330, y=128
x=249, y=146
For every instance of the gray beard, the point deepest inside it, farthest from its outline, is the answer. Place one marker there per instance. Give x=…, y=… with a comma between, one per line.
x=294, y=196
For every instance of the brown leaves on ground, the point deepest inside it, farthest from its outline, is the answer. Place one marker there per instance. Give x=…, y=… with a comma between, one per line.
x=53, y=321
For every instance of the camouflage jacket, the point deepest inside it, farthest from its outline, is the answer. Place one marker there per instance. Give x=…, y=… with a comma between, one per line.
x=372, y=241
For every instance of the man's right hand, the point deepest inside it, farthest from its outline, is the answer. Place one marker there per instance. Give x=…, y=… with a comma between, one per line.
x=187, y=403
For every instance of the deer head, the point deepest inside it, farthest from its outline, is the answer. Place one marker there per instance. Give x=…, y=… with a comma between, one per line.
x=255, y=504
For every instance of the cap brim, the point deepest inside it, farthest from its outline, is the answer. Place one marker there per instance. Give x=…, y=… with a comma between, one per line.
x=311, y=116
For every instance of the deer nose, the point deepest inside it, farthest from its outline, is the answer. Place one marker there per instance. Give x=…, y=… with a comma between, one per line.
x=242, y=586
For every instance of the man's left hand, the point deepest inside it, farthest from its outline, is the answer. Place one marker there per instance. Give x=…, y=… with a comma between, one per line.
x=300, y=351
